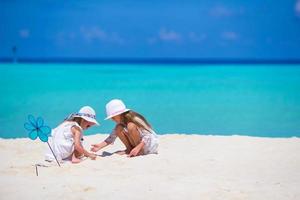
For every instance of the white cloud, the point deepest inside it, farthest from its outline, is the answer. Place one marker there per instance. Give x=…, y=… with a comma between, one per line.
x=93, y=33
x=72, y=35
x=169, y=35
x=60, y=38
x=269, y=40
x=152, y=40
x=165, y=35
x=220, y=11
x=24, y=33
x=223, y=11
x=88, y=35
x=196, y=38
x=114, y=37
x=96, y=34
x=297, y=8
x=229, y=35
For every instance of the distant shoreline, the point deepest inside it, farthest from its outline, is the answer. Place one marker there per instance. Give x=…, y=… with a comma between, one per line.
x=179, y=61
x=183, y=134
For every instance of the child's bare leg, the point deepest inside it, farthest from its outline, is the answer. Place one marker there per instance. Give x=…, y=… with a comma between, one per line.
x=135, y=139
x=124, y=138
x=125, y=141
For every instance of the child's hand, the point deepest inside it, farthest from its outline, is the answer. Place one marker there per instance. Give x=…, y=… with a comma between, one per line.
x=95, y=147
x=93, y=156
x=134, y=152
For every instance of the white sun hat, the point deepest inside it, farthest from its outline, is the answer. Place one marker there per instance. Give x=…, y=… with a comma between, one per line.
x=115, y=107
x=88, y=114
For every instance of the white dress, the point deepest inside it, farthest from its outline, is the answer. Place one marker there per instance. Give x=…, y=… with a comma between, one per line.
x=150, y=139
x=61, y=141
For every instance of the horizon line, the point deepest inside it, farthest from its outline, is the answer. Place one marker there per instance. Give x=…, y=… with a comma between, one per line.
x=118, y=60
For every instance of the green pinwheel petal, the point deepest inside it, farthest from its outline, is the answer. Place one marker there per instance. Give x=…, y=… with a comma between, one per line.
x=29, y=127
x=33, y=134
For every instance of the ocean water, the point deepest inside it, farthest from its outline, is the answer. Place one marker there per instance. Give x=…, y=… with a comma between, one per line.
x=255, y=100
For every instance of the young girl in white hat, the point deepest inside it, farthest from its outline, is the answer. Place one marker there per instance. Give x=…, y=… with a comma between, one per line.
x=132, y=128
x=66, y=140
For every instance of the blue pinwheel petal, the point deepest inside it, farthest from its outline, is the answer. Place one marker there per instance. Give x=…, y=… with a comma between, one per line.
x=28, y=126
x=33, y=134
x=32, y=120
x=39, y=122
x=45, y=130
x=43, y=137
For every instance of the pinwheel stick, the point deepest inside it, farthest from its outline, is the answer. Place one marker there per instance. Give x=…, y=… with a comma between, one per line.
x=36, y=170
x=53, y=153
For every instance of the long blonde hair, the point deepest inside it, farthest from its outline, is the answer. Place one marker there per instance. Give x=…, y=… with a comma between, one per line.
x=137, y=119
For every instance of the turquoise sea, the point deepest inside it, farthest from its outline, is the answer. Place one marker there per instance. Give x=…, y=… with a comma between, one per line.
x=255, y=100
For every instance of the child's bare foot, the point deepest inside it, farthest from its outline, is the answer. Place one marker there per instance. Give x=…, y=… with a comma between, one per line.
x=75, y=160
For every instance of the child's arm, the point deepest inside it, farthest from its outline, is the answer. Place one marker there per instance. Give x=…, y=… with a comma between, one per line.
x=136, y=150
x=109, y=140
x=77, y=144
x=97, y=147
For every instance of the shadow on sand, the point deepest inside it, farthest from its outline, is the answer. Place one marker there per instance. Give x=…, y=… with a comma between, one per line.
x=105, y=153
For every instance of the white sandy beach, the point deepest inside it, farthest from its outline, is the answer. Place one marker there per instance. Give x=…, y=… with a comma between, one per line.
x=187, y=167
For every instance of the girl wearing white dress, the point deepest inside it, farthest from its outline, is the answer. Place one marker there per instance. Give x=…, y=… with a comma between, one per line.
x=132, y=128
x=66, y=140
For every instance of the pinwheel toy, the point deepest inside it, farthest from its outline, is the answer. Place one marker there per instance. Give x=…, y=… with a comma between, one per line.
x=37, y=129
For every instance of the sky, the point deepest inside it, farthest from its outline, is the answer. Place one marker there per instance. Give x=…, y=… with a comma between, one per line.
x=203, y=29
